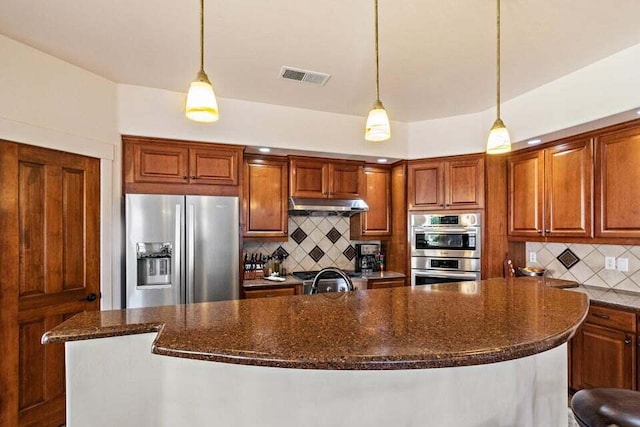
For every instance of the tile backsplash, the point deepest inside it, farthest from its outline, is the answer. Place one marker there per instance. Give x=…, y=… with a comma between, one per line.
x=586, y=263
x=315, y=242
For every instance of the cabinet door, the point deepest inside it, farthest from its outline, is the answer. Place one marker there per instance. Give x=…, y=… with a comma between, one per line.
x=426, y=185
x=270, y=293
x=265, y=197
x=377, y=221
x=526, y=193
x=568, y=174
x=217, y=166
x=603, y=357
x=160, y=163
x=308, y=178
x=385, y=283
x=345, y=180
x=464, y=184
x=616, y=184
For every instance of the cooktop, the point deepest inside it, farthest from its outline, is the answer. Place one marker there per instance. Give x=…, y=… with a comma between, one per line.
x=309, y=275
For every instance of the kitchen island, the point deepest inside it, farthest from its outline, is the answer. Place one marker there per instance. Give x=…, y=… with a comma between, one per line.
x=472, y=353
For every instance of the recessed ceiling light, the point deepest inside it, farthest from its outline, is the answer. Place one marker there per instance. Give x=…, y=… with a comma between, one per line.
x=383, y=160
x=264, y=150
x=534, y=141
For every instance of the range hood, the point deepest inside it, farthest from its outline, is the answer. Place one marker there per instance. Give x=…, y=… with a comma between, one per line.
x=326, y=207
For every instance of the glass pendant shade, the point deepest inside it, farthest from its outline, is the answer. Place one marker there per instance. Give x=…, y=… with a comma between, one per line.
x=499, y=140
x=378, y=128
x=201, y=100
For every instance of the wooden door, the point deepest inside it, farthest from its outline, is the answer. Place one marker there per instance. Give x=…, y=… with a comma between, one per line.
x=265, y=200
x=568, y=176
x=603, y=357
x=309, y=178
x=464, y=184
x=214, y=166
x=376, y=222
x=160, y=163
x=525, y=173
x=426, y=185
x=50, y=246
x=345, y=180
x=617, y=206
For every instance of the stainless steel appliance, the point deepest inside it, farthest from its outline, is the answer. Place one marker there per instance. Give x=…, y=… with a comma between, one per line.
x=367, y=257
x=330, y=281
x=326, y=207
x=181, y=249
x=445, y=247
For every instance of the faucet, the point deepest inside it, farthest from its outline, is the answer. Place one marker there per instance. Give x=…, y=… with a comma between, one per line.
x=314, y=285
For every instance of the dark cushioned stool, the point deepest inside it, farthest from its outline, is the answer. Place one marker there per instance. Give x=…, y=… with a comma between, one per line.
x=601, y=407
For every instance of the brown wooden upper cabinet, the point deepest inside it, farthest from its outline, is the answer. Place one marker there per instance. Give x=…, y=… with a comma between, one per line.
x=376, y=222
x=550, y=191
x=452, y=183
x=265, y=194
x=157, y=165
x=324, y=178
x=617, y=183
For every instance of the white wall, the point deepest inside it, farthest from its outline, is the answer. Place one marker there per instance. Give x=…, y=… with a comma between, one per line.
x=604, y=88
x=49, y=103
x=154, y=112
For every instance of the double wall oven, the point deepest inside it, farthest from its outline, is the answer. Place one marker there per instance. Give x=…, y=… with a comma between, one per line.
x=445, y=247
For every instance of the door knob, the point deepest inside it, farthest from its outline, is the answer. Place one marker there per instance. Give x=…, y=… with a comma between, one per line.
x=90, y=298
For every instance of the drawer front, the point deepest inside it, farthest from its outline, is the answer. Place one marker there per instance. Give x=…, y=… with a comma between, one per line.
x=385, y=283
x=611, y=318
x=269, y=293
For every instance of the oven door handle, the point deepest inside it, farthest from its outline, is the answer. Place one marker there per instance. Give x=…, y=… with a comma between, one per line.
x=445, y=275
x=447, y=230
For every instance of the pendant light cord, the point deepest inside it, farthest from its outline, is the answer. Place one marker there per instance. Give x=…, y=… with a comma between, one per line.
x=377, y=61
x=497, y=61
x=202, y=35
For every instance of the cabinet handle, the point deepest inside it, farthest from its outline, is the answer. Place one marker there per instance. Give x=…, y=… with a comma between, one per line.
x=627, y=341
x=539, y=231
x=546, y=230
x=601, y=316
x=269, y=296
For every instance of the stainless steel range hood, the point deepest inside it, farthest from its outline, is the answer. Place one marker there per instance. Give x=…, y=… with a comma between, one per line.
x=326, y=207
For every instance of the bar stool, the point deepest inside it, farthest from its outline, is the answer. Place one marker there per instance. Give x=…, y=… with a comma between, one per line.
x=604, y=407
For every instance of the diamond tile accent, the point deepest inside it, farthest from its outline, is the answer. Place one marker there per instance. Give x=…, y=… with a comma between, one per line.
x=349, y=252
x=316, y=253
x=281, y=252
x=568, y=258
x=298, y=235
x=333, y=235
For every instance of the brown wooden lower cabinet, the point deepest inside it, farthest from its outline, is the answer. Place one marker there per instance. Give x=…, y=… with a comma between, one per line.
x=602, y=356
x=270, y=292
x=385, y=283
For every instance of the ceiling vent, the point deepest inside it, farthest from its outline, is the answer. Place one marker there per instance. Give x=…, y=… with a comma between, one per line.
x=305, y=76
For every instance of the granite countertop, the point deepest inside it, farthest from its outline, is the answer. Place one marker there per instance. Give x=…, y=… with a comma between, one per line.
x=618, y=299
x=454, y=324
x=291, y=280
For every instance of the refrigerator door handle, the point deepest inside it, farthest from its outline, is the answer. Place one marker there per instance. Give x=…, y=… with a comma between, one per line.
x=176, y=254
x=191, y=247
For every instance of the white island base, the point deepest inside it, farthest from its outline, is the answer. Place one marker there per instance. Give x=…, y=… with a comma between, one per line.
x=118, y=382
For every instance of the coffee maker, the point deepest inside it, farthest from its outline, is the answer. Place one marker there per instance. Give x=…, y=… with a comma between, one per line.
x=367, y=257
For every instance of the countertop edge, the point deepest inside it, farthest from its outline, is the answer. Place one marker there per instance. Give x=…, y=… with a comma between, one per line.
x=58, y=337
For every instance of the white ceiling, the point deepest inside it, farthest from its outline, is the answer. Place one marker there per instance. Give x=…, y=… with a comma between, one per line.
x=437, y=57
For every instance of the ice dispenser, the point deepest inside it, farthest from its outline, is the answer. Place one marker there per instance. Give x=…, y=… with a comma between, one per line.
x=154, y=263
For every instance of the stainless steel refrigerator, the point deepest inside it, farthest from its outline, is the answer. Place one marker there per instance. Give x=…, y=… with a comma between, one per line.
x=181, y=249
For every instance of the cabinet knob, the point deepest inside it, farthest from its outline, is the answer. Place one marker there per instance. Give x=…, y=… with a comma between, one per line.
x=185, y=177
x=546, y=230
x=194, y=177
x=539, y=231
x=627, y=341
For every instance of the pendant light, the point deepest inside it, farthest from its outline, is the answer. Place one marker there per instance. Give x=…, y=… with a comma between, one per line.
x=201, y=100
x=499, y=140
x=377, y=128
